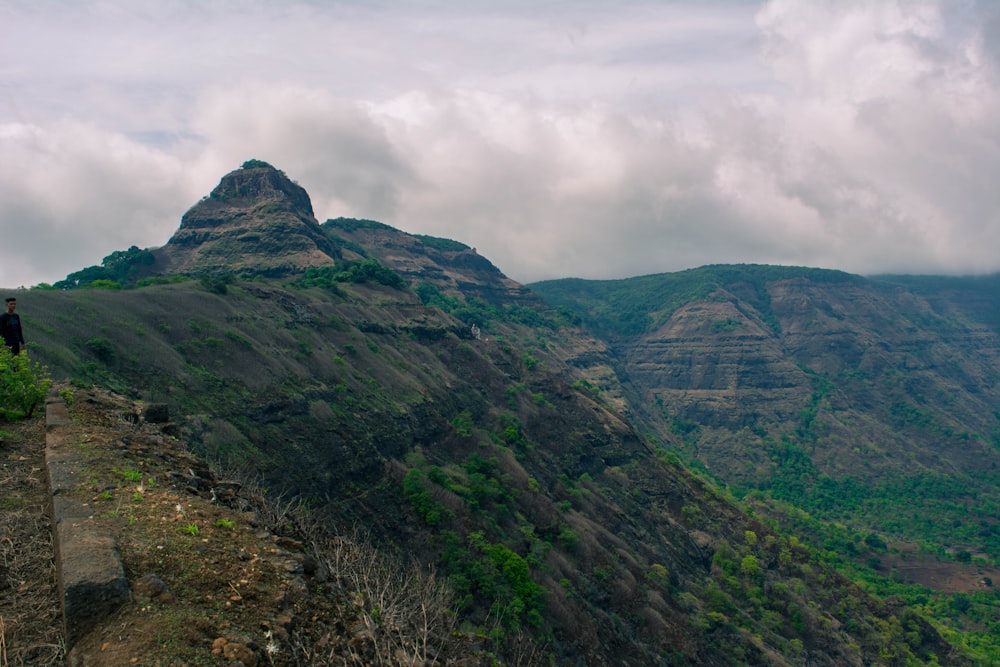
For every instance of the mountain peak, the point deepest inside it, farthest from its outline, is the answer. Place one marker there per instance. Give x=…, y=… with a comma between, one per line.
x=255, y=220
x=257, y=182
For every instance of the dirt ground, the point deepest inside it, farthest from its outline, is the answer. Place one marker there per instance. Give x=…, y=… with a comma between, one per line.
x=30, y=612
x=209, y=585
x=219, y=572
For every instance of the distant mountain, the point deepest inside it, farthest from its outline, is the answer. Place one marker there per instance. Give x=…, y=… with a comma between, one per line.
x=403, y=384
x=869, y=401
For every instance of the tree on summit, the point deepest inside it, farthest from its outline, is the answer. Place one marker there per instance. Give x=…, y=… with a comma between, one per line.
x=254, y=163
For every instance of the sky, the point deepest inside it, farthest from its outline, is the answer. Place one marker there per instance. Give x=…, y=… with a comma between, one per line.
x=587, y=138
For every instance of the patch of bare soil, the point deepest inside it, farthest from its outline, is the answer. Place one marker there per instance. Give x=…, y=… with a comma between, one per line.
x=30, y=612
x=907, y=564
x=219, y=572
x=210, y=582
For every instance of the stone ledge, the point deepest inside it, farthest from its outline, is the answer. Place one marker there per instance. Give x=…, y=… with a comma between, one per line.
x=91, y=577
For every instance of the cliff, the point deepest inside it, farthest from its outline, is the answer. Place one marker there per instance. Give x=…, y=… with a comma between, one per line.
x=256, y=221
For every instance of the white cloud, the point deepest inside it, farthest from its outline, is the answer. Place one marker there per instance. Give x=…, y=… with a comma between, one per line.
x=332, y=147
x=595, y=139
x=73, y=191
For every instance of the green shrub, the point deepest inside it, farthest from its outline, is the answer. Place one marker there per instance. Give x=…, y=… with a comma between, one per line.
x=23, y=384
x=217, y=283
x=505, y=577
x=68, y=396
x=101, y=348
x=364, y=271
x=462, y=423
x=121, y=267
x=420, y=498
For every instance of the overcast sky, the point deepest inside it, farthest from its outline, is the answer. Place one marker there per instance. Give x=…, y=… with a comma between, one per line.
x=592, y=138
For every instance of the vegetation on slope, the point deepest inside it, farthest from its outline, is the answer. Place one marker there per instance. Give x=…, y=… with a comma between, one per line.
x=405, y=384
x=868, y=406
x=615, y=308
x=549, y=517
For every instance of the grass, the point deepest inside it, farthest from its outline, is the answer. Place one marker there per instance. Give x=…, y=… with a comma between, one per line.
x=130, y=475
x=189, y=529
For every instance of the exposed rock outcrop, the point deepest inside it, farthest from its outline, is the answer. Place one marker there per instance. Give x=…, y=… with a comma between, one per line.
x=255, y=221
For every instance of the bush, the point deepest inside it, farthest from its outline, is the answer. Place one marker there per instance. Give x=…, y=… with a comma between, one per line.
x=101, y=348
x=366, y=271
x=23, y=385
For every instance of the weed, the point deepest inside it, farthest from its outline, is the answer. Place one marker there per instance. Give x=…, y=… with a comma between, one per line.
x=67, y=396
x=189, y=529
x=225, y=523
x=129, y=475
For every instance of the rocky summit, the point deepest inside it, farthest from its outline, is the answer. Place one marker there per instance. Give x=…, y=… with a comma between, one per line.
x=257, y=220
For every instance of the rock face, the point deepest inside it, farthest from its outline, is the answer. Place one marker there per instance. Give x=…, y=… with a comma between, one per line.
x=718, y=366
x=256, y=221
x=833, y=390
x=860, y=363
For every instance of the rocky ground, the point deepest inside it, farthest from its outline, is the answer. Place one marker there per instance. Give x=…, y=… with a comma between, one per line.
x=218, y=573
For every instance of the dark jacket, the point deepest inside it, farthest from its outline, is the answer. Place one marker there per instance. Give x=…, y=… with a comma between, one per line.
x=10, y=329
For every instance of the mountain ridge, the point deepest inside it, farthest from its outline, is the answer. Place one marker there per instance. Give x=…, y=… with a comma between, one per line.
x=408, y=385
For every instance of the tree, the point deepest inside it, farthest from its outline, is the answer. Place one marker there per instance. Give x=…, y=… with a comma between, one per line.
x=122, y=267
x=750, y=566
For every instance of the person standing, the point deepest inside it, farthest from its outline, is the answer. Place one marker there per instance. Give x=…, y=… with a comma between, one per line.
x=10, y=328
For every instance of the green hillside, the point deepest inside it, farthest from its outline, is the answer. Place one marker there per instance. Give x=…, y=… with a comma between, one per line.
x=403, y=386
x=540, y=504
x=862, y=413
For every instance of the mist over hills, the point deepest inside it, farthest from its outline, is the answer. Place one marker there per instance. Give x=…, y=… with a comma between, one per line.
x=730, y=465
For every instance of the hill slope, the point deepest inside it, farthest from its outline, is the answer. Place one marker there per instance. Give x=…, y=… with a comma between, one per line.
x=873, y=404
x=841, y=394
x=501, y=454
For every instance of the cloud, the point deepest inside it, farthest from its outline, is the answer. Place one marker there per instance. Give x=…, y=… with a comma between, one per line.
x=332, y=147
x=899, y=102
x=592, y=139
x=70, y=190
